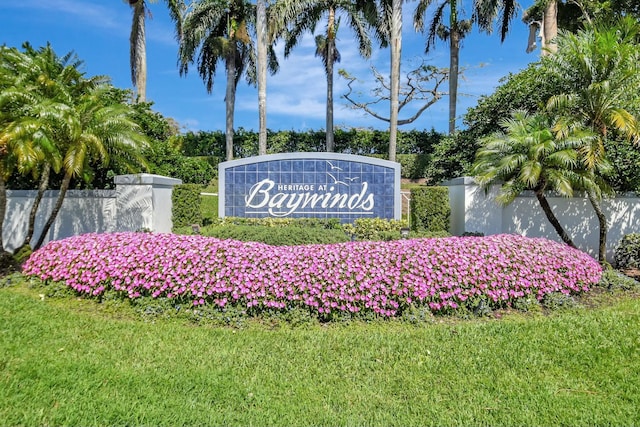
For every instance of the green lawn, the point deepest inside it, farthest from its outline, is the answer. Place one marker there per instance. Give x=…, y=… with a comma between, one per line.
x=209, y=208
x=74, y=362
x=209, y=203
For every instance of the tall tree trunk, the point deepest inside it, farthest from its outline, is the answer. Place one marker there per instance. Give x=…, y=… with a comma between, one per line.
x=544, y=204
x=602, y=224
x=261, y=24
x=396, y=53
x=454, y=40
x=550, y=28
x=54, y=213
x=230, y=101
x=331, y=45
x=42, y=187
x=3, y=210
x=141, y=53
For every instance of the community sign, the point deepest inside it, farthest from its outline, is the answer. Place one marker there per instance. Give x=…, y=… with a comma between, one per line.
x=310, y=185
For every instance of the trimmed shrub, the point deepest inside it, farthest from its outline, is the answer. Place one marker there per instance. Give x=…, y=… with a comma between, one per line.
x=387, y=236
x=303, y=231
x=625, y=157
x=528, y=304
x=430, y=209
x=276, y=236
x=613, y=280
x=413, y=166
x=21, y=254
x=452, y=157
x=186, y=205
x=194, y=170
x=214, y=161
x=627, y=254
x=8, y=263
x=473, y=234
x=323, y=223
x=558, y=301
x=209, y=209
x=371, y=228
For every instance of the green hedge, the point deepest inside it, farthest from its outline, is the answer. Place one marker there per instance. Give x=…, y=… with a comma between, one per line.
x=390, y=235
x=303, y=231
x=321, y=223
x=430, y=209
x=413, y=166
x=348, y=141
x=277, y=236
x=186, y=205
x=195, y=170
x=373, y=228
x=214, y=161
x=209, y=209
x=627, y=254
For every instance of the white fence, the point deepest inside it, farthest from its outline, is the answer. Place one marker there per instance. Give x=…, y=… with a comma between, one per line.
x=473, y=210
x=141, y=201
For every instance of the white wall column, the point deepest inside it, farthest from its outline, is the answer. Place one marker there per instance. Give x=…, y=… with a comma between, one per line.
x=144, y=202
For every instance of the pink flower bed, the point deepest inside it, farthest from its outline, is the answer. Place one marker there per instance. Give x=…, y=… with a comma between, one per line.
x=383, y=277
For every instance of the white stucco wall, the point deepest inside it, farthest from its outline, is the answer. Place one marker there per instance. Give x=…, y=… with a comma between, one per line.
x=525, y=216
x=472, y=209
x=141, y=201
x=82, y=211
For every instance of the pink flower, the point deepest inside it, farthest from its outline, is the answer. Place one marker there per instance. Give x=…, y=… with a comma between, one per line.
x=382, y=277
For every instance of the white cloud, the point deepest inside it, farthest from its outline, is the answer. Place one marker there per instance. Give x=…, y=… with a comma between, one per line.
x=91, y=14
x=299, y=89
x=189, y=124
x=115, y=17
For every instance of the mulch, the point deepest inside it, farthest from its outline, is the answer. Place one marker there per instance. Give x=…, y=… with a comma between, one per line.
x=8, y=264
x=634, y=273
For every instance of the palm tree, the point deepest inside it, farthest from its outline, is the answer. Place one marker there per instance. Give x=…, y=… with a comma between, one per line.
x=95, y=130
x=528, y=155
x=387, y=25
x=138, y=42
x=45, y=88
x=261, y=37
x=220, y=31
x=454, y=33
x=30, y=105
x=484, y=13
x=15, y=153
x=293, y=18
x=52, y=118
x=29, y=142
x=395, y=38
x=599, y=67
x=488, y=13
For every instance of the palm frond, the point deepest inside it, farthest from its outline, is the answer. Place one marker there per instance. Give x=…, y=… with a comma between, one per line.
x=436, y=22
x=419, y=14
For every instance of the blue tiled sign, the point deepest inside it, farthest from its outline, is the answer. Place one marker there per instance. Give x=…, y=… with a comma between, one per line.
x=311, y=185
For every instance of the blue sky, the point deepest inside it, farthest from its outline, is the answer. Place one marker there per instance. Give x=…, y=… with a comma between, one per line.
x=98, y=32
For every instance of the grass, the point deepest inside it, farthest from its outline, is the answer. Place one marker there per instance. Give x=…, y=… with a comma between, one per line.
x=75, y=362
x=209, y=204
x=209, y=208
